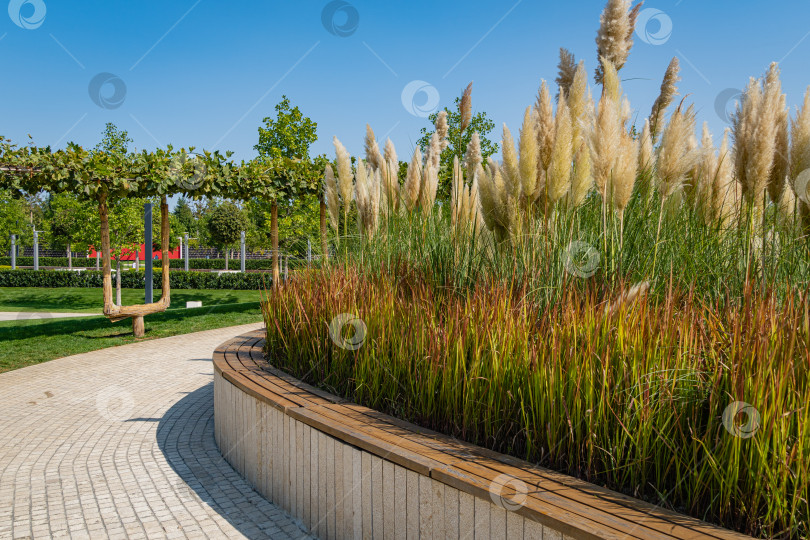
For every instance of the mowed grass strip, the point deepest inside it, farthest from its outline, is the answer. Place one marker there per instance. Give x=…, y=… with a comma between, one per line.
x=27, y=342
x=90, y=300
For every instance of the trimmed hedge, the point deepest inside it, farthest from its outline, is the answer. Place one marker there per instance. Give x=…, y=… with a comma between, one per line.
x=50, y=261
x=178, y=279
x=219, y=264
x=193, y=264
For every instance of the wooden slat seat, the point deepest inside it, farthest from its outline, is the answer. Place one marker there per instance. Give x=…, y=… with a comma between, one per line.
x=562, y=502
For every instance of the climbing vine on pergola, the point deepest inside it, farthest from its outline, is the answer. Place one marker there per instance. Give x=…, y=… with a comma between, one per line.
x=106, y=178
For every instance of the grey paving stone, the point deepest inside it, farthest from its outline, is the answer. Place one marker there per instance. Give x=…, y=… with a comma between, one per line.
x=119, y=443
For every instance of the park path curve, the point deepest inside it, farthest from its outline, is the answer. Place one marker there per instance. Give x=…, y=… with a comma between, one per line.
x=119, y=443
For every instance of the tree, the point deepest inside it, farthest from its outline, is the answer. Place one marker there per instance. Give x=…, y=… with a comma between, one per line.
x=283, y=161
x=458, y=142
x=68, y=221
x=185, y=216
x=126, y=231
x=108, y=178
x=13, y=220
x=226, y=225
x=297, y=219
x=114, y=140
x=289, y=135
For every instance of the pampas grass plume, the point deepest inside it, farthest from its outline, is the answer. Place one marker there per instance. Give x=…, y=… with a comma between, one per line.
x=559, y=174
x=615, y=36
x=645, y=153
x=800, y=140
x=473, y=158
x=544, y=113
x=344, y=165
x=675, y=159
x=511, y=169
x=781, y=158
x=528, y=153
x=669, y=90
x=577, y=100
x=413, y=181
x=465, y=107
x=582, y=179
x=566, y=70
x=624, y=173
x=442, y=129
x=331, y=192
x=373, y=155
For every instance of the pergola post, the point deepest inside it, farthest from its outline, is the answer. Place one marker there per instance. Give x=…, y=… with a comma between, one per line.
x=242, y=252
x=147, y=225
x=36, y=250
x=185, y=241
x=13, y=251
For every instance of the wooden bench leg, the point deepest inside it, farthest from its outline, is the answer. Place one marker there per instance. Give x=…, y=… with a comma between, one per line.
x=137, y=326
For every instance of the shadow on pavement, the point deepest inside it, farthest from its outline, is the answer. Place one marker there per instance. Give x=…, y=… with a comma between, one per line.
x=185, y=435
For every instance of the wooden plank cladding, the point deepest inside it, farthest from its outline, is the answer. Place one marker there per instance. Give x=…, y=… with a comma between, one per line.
x=346, y=471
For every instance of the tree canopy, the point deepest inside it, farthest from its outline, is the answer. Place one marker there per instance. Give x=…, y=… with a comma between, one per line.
x=289, y=135
x=226, y=223
x=114, y=140
x=69, y=221
x=458, y=141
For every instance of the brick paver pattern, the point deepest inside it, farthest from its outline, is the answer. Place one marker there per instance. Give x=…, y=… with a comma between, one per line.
x=119, y=443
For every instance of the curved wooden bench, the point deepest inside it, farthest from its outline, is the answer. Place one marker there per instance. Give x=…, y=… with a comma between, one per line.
x=347, y=471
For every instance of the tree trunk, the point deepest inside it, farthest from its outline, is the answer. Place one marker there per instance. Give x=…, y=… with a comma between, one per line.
x=324, y=242
x=274, y=237
x=70, y=256
x=118, y=281
x=138, y=329
x=165, y=231
x=105, y=254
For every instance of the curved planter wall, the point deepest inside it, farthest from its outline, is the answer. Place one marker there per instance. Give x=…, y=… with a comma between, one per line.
x=346, y=471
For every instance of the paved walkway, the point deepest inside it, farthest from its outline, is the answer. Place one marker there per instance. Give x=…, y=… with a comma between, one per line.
x=119, y=443
x=27, y=315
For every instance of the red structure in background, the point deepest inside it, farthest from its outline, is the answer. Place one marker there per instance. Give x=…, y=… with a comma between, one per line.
x=128, y=254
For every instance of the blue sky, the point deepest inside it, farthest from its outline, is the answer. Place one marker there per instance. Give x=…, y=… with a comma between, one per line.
x=204, y=73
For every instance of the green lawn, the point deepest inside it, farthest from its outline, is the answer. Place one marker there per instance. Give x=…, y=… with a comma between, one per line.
x=27, y=342
x=86, y=300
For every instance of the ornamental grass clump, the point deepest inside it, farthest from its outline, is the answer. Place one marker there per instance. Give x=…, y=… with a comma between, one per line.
x=612, y=384
x=596, y=301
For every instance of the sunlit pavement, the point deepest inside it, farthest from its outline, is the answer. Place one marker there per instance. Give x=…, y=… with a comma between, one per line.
x=119, y=443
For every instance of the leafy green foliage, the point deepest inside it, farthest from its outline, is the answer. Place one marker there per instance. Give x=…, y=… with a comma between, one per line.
x=289, y=135
x=226, y=224
x=298, y=220
x=13, y=220
x=69, y=221
x=185, y=216
x=134, y=280
x=194, y=264
x=114, y=140
x=95, y=175
x=126, y=224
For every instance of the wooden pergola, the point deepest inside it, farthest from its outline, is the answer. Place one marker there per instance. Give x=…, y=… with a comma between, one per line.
x=107, y=177
x=164, y=172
